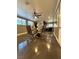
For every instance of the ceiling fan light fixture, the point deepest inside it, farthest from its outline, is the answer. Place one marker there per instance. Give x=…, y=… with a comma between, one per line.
x=35, y=17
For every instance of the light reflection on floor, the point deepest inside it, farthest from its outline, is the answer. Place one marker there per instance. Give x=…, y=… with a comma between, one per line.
x=22, y=45
x=44, y=47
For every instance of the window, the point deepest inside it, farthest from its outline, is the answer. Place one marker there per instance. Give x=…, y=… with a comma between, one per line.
x=49, y=25
x=21, y=21
x=30, y=23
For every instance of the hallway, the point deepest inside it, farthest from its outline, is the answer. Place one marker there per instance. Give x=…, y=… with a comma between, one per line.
x=45, y=47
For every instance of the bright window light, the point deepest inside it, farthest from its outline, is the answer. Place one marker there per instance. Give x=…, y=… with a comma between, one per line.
x=30, y=23
x=21, y=21
x=49, y=25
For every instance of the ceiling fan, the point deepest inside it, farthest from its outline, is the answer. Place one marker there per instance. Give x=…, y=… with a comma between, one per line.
x=35, y=14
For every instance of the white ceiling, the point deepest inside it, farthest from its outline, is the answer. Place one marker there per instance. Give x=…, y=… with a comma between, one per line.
x=45, y=7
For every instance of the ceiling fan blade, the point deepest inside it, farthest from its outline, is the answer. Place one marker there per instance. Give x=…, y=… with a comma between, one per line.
x=39, y=15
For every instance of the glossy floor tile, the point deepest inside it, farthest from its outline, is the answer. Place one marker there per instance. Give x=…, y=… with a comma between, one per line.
x=44, y=47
